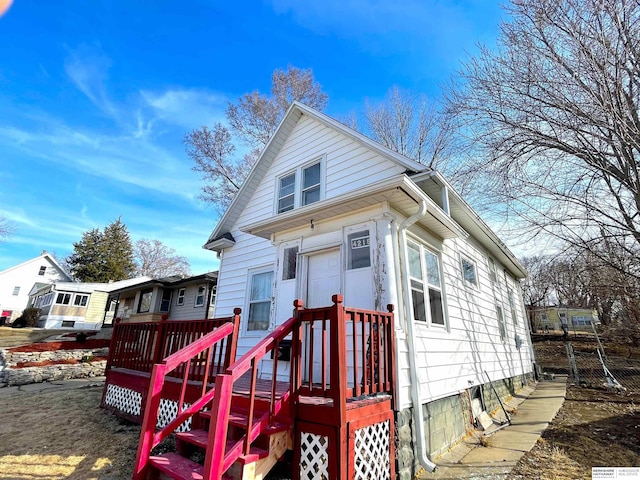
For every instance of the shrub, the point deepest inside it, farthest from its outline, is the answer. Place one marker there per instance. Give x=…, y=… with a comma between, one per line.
x=29, y=318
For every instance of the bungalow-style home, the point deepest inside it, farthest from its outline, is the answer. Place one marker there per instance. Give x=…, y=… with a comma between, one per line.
x=176, y=297
x=16, y=283
x=553, y=317
x=370, y=318
x=76, y=305
x=325, y=211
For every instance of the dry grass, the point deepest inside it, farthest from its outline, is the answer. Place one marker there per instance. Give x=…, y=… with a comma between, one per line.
x=64, y=435
x=13, y=337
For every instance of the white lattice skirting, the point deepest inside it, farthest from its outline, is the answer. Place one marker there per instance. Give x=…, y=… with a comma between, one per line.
x=314, y=457
x=129, y=401
x=124, y=399
x=371, y=452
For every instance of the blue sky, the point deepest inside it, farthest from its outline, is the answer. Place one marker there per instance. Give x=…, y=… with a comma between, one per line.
x=95, y=97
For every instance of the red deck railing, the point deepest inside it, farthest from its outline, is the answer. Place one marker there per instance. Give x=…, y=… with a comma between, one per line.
x=138, y=346
x=343, y=352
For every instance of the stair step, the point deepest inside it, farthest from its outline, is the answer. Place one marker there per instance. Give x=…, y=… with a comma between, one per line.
x=196, y=437
x=199, y=438
x=177, y=466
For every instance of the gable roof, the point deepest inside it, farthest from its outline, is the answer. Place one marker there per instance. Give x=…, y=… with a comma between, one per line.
x=277, y=141
x=43, y=256
x=460, y=221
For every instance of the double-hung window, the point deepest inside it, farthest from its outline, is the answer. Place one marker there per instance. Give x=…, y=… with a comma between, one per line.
x=426, y=284
x=501, y=326
x=260, y=293
x=512, y=306
x=202, y=290
x=299, y=188
x=469, y=271
x=180, y=297
x=63, y=299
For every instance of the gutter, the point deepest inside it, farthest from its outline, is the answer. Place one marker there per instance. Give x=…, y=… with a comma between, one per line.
x=418, y=414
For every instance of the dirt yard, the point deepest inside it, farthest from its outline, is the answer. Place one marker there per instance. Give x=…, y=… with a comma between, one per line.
x=594, y=427
x=65, y=435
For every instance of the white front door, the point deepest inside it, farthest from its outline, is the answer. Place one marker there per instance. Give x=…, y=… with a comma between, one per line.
x=324, y=279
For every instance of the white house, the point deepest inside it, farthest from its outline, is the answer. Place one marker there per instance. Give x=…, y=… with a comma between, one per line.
x=16, y=283
x=77, y=305
x=326, y=210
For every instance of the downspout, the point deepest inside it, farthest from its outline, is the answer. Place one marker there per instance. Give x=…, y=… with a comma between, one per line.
x=418, y=414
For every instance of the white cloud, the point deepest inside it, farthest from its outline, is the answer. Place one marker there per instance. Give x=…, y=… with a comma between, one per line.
x=187, y=108
x=87, y=67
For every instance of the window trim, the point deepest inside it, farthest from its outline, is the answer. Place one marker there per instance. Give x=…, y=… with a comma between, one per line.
x=502, y=324
x=180, y=297
x=165, y=308
x=250, y=274
x=298, y=187
x=65, y=296
x=427, y=285
x=42, y=271
x=474, y=282
x=512, y=306
x=79, y=296
x=142, y=294
x=16, y=291
x=197, y=304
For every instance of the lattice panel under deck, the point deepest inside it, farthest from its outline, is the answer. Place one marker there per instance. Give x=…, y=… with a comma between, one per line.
x=314, y=456
x=371, y=452
x=168, y=411
x=124, y=399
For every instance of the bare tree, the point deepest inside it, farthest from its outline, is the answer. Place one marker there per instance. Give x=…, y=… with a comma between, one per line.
x=555, y=109
x=411, y=125
x=252, y=120
x=156, y=260
x=537, y=289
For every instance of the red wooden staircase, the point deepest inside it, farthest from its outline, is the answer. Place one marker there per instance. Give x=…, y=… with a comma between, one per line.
x=240, y=423
x=231, y=424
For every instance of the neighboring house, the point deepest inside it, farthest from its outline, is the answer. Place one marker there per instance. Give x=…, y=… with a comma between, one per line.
x=16, y=283
x=326, y=210
x=81, y=306
x=553, y=317
x=180, y=298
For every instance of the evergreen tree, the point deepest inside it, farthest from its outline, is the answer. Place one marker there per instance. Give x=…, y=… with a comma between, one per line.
x=101, y=256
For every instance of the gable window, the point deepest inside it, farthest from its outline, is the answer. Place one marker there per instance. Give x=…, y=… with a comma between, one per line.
x=260, y=293
x=311, y=184
x=180, y=297
x=165, y=303
x=426, y=284
x=145, y=301
x=16, y=290
x=80, y=300
x=202, y=290
x=289, y=263
x=299, y=188
x=359, y=255
x=42, y=270
x=63, y=299
x=287, y=193
x=512, y=306
x=501, y=326
x=469, y=271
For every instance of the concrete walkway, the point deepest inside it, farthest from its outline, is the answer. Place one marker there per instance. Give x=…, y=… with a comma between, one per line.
x=535, y=410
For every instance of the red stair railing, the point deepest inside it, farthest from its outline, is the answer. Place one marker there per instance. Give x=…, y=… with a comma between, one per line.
x=194, y=362
x=217, y=460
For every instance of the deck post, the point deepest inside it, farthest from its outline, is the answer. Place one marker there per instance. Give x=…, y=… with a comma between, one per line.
x=232, y=346
x=159, y=345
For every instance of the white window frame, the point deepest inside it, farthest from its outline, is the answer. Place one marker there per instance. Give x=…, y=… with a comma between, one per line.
x=200, y=299
x=473, y=282
x=512, y=306
x=43, y=269
x=180, y=296
x=65, y=296
x=249, y=301
x=299, y=190
x=502, y=325
x=77, y=300
x=426, y=285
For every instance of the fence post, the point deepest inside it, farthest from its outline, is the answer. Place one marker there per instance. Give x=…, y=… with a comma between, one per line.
x=572, y=362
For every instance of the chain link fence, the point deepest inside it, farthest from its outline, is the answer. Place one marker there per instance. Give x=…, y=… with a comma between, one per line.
x=584, y=366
